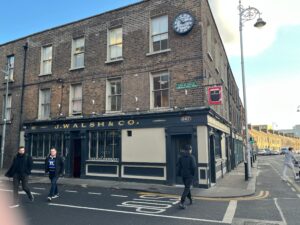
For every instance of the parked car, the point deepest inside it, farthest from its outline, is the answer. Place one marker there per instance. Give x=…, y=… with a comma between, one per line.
x=261, y=152
x=283, y=150
x=268, y=152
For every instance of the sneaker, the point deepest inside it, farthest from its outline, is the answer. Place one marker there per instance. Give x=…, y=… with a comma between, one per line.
x=55, y=196
x=49, y=199
x=182, y=205
x=14, y=206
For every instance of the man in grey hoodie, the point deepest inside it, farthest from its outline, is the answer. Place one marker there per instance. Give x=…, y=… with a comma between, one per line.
x=289, y=163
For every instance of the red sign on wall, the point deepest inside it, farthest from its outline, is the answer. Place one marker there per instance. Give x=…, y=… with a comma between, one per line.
x=215, y=95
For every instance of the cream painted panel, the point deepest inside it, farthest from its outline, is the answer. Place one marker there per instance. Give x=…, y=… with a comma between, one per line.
x=218, y=125
x=202, y=139
x=223, y=146
x=145, y=145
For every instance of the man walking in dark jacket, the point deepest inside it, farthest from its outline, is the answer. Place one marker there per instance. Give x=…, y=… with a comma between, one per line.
x=54, y=165
x=20, y=170
x=186, y=167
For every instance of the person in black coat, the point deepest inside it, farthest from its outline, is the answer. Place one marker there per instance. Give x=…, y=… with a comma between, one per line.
x=186, y=167
x=54, y=165
x=20, y=170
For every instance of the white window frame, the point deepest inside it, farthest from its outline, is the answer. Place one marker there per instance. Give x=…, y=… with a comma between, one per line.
x=6, y=109
x=46, y=60
x=72, y=99
x=109, y=45
x=152, y=98
x=76, y=52
x=209, y=41
x=152, y=36
x=109, y=95
x=217, y=57
x=42, y=105
x=10, y=68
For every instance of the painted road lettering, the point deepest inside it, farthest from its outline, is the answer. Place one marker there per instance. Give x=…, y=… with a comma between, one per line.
x=151, y=203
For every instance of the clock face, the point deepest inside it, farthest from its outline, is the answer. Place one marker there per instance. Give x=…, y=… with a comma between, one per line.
x=183, y=23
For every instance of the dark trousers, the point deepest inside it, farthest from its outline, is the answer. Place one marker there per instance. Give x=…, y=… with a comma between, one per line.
x=17, y=178
x=187, y=181
x=53, y=189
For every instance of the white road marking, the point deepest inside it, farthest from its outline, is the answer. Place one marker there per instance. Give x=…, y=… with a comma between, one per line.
x=71, y=191
x=135, y=213
x=20, y=192
x=288, y=184
x=280, y=211
x=228, y=217
x=293, y=189
x=159, y=201
x=120, y=196
x=298, y=196
x=94, y=193
x=37, y=188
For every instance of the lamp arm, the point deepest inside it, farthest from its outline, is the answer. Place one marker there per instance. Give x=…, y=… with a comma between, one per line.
x=249, y=13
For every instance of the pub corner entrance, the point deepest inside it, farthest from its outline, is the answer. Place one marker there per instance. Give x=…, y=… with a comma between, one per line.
x=177, y=145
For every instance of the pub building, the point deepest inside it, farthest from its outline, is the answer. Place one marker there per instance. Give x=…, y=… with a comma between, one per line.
x=121, y=93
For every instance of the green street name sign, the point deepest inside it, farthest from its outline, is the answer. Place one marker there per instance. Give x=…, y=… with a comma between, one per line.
x=188, y=85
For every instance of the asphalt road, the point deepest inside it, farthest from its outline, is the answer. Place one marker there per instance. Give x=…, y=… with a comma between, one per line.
x=77, y=205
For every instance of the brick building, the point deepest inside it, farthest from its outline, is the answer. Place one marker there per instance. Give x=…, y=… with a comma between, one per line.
x=119, y=94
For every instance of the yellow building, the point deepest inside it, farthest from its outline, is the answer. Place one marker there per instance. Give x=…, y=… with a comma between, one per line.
x=266, y=138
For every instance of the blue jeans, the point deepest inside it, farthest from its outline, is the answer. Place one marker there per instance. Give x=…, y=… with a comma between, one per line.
x=53, y=189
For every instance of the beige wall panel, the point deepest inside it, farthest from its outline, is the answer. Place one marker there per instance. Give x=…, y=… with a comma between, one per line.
x=202, y=139
x=145, y=145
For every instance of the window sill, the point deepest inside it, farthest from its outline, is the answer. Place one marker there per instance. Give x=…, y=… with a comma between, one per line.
x=7, y=122
x=78, y=68
x=161, y=109
x=210, y=56
x=74, y=116
x=113, y=113
x=45, y=74
x=9, y=81
x=158, y=52
x=114, y=61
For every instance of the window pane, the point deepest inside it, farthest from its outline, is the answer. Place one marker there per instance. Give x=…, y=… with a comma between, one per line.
x=165, y=98
x=79, y=60
x=114, y=103
x=156, y=83
x=164, y=81
x=79, y=44
x=101, y=144
x=40, y=146
x=47, y=53
x=156, y=46
x=93, y=144
x=109, y=151
x=157, y=99
x=164, y=44
x=34, y=146
x=159, y=25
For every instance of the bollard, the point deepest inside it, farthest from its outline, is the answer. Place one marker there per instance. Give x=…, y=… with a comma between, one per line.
x=246, y=171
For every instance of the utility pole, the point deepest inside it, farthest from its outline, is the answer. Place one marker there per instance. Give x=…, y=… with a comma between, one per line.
x=4, y=115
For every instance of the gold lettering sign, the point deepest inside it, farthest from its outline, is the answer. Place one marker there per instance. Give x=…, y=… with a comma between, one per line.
x=101, y=124
x=95, y=124
x=121, y=123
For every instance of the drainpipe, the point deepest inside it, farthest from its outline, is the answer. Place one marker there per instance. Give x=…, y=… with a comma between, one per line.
x=22, y=90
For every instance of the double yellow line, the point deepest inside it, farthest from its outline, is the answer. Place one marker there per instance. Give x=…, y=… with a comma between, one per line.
x=261, y=195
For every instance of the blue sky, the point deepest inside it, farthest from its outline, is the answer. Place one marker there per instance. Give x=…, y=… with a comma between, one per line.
x=271, y=54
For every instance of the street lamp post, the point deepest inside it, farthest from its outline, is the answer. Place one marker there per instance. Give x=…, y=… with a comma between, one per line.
x=246, y=14
x=4, y=116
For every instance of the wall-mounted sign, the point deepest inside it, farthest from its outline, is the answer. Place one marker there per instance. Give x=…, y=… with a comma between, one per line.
x=215, y=95
x=188, y=85
x=186, y=118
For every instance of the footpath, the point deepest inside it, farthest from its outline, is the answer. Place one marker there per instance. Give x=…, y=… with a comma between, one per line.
x=233, y=184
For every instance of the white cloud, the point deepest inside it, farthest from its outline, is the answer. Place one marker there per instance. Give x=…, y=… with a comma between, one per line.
x=274, y=101
x=276, y=13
